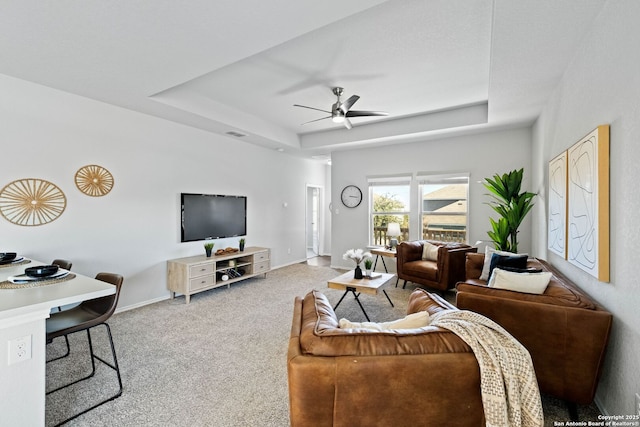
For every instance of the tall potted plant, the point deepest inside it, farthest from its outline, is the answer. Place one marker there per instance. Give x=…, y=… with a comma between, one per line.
x=512, y=206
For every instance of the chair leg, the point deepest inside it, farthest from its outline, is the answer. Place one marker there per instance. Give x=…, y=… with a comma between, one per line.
x=113, y=366
x=93, y=368
x=66, y=339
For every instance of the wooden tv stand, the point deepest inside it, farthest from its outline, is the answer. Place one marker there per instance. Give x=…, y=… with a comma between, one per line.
x=195, y=274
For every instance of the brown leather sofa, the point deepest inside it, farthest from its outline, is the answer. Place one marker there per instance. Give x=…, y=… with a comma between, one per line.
x=442, y=274
x=564, y=330
x=355, y=377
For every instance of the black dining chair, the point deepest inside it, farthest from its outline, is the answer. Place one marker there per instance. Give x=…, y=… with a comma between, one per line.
x=83, y=317
x=62, y=263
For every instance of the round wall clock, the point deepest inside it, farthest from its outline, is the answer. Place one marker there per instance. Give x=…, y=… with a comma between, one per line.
x=351, y=196
x=31, y=202
x=94, y=180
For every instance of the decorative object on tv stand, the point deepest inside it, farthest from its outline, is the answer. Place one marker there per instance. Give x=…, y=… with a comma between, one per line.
x=357, y=255
x=208, y=247
x=94, y=180
x=241, y=244
x=393, y=231
x=31, y=202
x=512, y=206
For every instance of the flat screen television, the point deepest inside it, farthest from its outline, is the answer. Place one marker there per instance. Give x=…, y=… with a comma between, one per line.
x=212, y=216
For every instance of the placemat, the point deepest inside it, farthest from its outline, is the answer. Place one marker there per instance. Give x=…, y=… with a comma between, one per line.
x=8, y=285
x=13, y=264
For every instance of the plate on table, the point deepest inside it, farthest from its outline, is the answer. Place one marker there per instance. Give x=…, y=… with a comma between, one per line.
x=23, y=278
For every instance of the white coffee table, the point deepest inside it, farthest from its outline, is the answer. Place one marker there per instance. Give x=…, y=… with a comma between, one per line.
x=345, y=282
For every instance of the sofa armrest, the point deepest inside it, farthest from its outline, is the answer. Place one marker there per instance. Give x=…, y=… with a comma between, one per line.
x=473, y=265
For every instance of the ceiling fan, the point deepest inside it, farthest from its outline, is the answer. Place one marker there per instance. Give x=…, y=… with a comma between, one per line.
x=341, y=111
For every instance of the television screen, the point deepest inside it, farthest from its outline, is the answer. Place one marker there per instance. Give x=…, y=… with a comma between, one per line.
x=212, y=216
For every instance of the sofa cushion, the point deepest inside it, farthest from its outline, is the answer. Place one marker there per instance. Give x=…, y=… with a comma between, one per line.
x=425, y=269
x=487, y=260
x=410, y=321
x=532, y=283
x=429, y=252
x=515, y=261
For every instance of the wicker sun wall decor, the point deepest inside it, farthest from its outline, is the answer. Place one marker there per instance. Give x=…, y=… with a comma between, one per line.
x=31, y=202
x=94, y=180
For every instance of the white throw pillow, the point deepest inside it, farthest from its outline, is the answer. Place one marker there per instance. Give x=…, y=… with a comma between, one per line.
x=486, y=267
x=411, y=321
x=429, y=252
x=531, y=283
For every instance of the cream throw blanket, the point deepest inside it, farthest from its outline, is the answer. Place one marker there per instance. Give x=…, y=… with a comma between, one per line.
x=510, y=394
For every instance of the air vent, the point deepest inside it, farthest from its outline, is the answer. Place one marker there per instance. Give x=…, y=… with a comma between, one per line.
x=236, y=134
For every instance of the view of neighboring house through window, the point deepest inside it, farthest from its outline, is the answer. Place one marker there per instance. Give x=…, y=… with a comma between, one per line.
x=444, y=207
x=389, y=199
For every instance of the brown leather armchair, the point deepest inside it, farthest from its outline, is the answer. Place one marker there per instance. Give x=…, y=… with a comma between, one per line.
x=442, y=274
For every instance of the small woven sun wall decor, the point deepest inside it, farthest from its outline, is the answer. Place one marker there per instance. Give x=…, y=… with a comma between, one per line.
x=31, y=202
x=94, y=180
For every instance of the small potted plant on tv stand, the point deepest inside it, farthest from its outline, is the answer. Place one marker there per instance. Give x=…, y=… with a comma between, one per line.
x=208, y=247
x=242, y=244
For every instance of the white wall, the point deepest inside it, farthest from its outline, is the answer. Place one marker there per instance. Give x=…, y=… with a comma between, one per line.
x=482, y=155
x=49, y=134
x=602, y=86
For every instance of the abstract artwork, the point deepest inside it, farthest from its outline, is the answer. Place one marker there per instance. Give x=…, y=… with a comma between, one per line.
x=31, y=202
x=588, y=204
x=557, y=227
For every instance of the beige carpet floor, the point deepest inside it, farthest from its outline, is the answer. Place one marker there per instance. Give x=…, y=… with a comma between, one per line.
x=218, y=361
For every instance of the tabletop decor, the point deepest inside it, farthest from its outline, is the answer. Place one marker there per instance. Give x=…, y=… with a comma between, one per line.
x=94, y=180
x=17, y=261
x=7, y=284
x=31, y=202
x=357, y=255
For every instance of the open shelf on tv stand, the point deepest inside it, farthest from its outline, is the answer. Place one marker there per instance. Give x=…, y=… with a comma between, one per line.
x=195, y=274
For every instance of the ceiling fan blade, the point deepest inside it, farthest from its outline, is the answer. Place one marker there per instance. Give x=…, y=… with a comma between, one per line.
x=347, y=123
x=355, y=113
x=311, y=108
x=322, y=118
x=348, y=103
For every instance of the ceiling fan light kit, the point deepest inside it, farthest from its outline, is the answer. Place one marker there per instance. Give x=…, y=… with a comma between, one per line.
x=341, y=111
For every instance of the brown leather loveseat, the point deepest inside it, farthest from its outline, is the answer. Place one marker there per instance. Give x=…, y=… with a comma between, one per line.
x=565, y=331
x=441, y=274
x=355, y=377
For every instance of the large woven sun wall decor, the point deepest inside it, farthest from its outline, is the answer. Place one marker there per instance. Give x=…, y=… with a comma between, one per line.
x=94, y=180
x=31, y=202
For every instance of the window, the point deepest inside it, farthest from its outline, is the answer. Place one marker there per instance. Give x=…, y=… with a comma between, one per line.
x=389, y=202
x=443, y=205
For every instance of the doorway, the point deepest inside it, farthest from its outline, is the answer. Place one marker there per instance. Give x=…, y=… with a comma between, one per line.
x=312, y=221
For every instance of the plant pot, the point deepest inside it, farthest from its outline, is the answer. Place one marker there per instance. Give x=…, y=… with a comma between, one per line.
x=208, y=252
x=357, y=273
x=367, y=272
x=241, y=246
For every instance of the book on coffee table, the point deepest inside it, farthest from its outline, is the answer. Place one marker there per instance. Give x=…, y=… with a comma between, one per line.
x=373, y=276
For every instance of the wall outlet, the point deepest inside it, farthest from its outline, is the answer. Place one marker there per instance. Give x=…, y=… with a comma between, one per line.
x=19, y=349
x=637, y=404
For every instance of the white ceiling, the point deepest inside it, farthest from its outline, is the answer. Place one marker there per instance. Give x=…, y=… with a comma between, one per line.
x=436, y=66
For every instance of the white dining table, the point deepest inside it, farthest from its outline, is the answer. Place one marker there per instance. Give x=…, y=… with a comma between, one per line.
x=23, y=314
